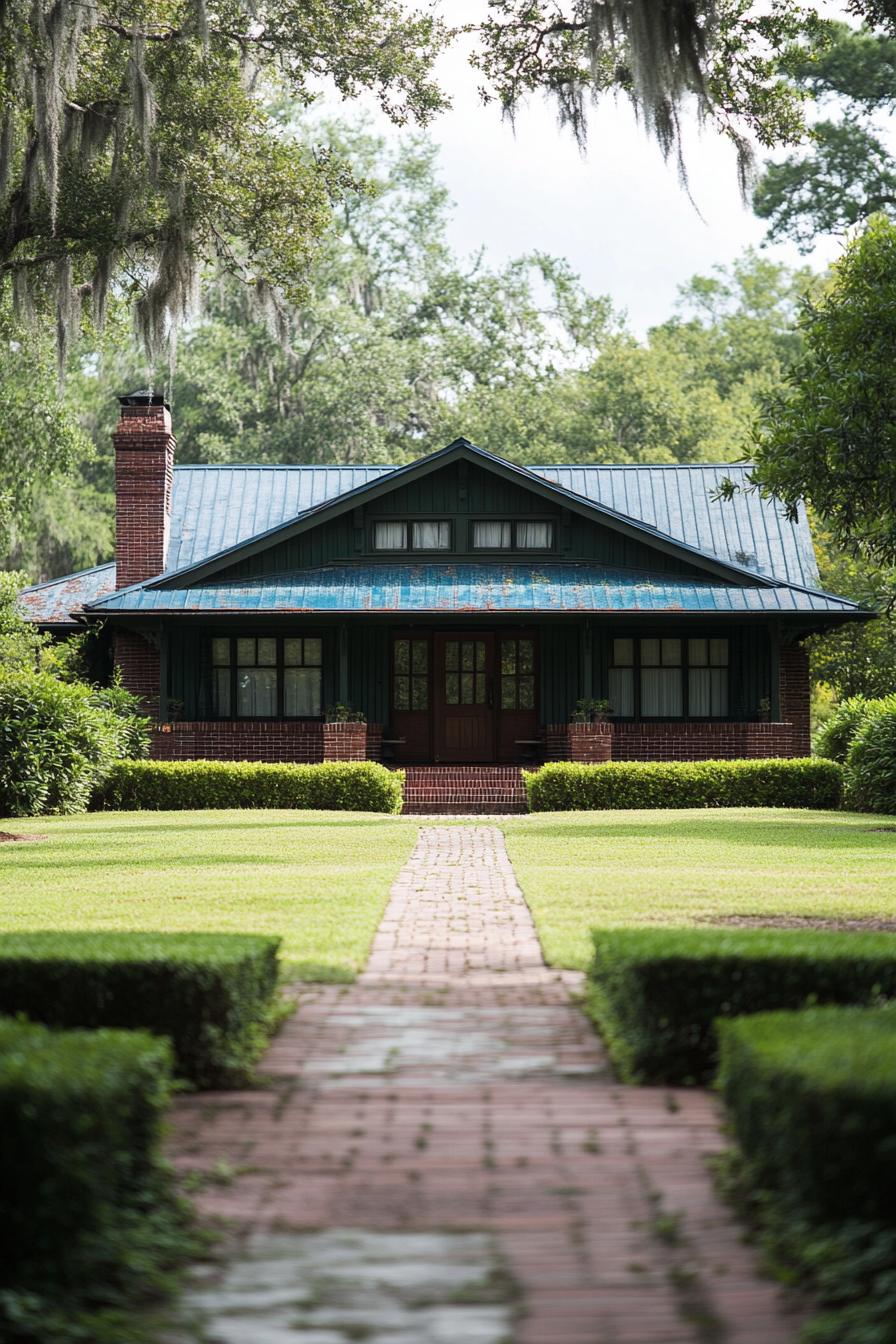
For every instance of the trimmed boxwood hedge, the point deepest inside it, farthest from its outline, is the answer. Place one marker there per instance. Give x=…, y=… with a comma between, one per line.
x=812, y=1097
x=342, y=786
x=211, y=994
x=655, y=993
x=564, y=786
x=85, y=1200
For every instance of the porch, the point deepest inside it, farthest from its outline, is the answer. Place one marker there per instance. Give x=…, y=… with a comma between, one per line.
x=479, y=692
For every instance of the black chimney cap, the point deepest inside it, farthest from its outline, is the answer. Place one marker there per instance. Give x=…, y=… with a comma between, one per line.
x=143, y=397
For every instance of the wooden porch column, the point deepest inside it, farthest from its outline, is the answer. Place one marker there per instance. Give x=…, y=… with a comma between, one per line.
x=163, y=673
x=774, y=697
x=343, y=665
x=587, y=687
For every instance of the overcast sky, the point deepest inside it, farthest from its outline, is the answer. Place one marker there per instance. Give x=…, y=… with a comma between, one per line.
x=618, y=214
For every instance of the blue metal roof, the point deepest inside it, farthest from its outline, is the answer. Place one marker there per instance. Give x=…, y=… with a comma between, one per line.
x=496, y=587
x=53, y=602
x=214, y=508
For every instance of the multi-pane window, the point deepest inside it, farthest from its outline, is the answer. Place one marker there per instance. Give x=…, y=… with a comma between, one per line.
x=659, y=678
x=410, y=674
x=708, y=678
x=661, y=688
x=434, y=535
x=264, y=677
x=517, y=674
x=465, y=676
x=301, y=677
x=621, y=686
x=504, y=535
x=256, y=678
x=221, y=654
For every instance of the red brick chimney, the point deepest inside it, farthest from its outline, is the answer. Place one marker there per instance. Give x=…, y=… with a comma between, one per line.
x=144, y=470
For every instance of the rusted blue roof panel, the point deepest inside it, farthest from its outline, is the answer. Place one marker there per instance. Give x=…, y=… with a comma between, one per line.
x=53, y=603
x=473, y=588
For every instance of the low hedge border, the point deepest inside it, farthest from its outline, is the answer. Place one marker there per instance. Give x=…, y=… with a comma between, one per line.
x=86, y=1202
x=655, y=993
x=162, y=786
x=211, y=994
x=812, y=1098
x=564, y=786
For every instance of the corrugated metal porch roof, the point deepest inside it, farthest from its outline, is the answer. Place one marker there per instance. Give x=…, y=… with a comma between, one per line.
x=462, y=588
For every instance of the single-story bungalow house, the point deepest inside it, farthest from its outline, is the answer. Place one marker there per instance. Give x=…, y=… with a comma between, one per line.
x=462, y=604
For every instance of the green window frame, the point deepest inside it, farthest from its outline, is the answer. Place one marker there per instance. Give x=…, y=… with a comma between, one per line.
x=267, y=676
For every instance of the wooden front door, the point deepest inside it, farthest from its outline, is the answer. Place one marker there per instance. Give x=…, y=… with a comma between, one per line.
x=464, y=697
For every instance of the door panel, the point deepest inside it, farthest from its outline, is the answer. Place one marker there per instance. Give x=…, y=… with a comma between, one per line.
x=464, y=697
x=516, y=659
x=410, y=692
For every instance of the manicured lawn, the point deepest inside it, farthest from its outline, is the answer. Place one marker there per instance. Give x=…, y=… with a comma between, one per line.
x=318, y=879
x=586, y=870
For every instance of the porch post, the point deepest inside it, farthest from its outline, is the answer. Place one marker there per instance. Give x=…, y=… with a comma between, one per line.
x=163, y=673
x=587, y=661
x=343, y=665
x=774, y=697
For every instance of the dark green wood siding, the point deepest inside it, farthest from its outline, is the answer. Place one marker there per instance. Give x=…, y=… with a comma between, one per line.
x=569, y=669
x=458, y=493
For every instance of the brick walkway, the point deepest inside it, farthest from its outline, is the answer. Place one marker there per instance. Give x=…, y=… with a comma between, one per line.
x=455, y=1090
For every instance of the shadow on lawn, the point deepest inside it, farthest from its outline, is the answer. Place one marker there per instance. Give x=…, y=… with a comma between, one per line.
x=746, y=834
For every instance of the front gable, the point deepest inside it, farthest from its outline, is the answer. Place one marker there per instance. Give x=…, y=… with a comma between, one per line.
x=458, y=497
x=460, y=485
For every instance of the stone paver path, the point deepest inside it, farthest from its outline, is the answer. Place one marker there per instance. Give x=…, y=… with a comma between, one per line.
x=456, y=1099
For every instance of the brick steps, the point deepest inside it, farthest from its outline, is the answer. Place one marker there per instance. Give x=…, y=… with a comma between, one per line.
x=463, y=789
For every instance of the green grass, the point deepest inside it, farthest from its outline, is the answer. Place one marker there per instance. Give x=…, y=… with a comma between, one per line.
x=318, y=880
x=580, y=871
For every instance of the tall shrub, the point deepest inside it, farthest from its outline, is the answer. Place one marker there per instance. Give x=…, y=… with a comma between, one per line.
x=871, y=764
x=56, y=744
x=835, y=735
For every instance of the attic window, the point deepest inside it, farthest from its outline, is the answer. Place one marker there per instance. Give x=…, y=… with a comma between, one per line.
x=503, y=535
x=428, y=535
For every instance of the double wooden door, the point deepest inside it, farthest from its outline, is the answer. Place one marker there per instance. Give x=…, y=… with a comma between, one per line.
x=463, y=696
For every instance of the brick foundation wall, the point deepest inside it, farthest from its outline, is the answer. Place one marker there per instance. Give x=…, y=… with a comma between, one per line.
x=794, y=692
x=703, y=741
x=144, y=474
x=238, y=740
x=138, y=661
x=266, y=740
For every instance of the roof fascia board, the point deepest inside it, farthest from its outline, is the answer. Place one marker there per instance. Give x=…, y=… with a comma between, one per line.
x=462, y=449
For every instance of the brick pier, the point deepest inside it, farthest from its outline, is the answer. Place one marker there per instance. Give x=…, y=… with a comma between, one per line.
x=456, y=1093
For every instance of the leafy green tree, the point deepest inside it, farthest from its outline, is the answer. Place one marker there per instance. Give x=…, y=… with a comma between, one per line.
x=137, y=142
x=39, y=434
x=858, y=659
x=829, y=435
x=847, y=173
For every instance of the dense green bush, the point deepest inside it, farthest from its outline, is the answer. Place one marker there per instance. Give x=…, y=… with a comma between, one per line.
x=812, y=1097
x=566, y=787
x=871, y=764
x=211, y=994
x=836, y=734
x=56, y=744
x=85, y=1200
x=344, y=786
x=655, y=993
